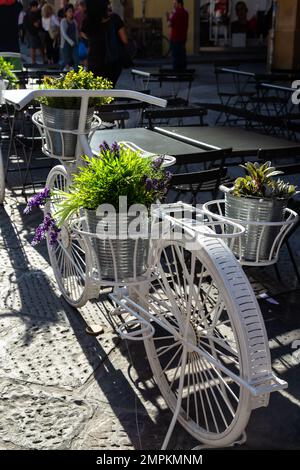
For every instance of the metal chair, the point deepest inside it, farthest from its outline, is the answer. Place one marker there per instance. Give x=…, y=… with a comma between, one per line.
x=190, y=185
x=157, y=117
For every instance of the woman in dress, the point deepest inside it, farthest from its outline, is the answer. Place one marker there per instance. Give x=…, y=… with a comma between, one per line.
x=50, y=25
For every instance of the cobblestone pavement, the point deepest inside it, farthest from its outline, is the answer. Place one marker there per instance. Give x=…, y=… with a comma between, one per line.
x=61, y=388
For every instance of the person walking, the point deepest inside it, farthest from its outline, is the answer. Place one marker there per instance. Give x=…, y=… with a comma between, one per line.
x=69, y=39
x=33, y=26
x=107, y=40
x=51, y=27
x=9, y=34
x=178, y=22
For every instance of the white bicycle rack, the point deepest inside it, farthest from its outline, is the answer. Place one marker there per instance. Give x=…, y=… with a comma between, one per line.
x=193, y=306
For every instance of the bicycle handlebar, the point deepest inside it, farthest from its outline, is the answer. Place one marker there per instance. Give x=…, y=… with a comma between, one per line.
x=21, y=98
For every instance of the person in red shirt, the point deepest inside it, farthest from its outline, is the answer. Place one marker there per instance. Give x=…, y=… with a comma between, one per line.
x=178, y=23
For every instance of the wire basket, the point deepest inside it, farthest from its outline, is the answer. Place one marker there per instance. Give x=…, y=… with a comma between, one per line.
x=118, y=258
x=261, y=254
x=61, y=143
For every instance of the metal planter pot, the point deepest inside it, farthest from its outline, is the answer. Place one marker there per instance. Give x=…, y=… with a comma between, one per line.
x=118, y=258
x=258, y=239
x=63, y=144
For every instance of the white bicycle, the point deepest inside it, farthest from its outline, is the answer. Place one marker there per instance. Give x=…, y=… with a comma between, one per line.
x=193, y=308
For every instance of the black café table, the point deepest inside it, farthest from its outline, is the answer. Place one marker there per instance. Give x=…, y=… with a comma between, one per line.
x=147, y=140
x=243, y=143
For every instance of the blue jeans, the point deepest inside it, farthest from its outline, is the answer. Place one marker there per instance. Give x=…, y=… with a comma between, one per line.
x=178, y=52
x=70, y=55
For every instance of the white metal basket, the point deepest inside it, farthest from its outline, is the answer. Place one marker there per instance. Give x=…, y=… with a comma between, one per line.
x=216, y=207
x=47, y=132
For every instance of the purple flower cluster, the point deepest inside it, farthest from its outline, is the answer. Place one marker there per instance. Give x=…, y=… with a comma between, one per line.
x=104, y=147
x=37, y=200
x=157, y=163
x=158, y=185
x=115, y=149
x=49, y=227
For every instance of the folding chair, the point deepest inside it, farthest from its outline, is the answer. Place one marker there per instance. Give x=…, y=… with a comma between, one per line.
x=157, y=117
x=189, y=185
x=238, y=94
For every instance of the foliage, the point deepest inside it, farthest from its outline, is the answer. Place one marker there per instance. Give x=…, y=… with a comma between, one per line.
x=260, y=183
x=116, y=172
x=81, y=80
x=6, y=71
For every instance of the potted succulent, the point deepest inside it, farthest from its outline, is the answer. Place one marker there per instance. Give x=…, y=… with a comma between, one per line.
x=7, y=76
x=63, y=113
x=257, y=197
x=118, y=173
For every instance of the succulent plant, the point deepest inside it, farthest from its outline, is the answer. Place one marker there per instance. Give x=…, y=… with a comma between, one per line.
x=260, y=182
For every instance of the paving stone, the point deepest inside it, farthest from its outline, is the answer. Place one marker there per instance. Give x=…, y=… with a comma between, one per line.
x=33, y=418
x=49, y=353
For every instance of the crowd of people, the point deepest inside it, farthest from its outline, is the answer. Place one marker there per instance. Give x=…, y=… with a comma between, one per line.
x=87, y=32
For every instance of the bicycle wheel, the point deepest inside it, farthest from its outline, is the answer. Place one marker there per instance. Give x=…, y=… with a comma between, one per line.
x=2, y=178
x=208, y=285
x=71, y=257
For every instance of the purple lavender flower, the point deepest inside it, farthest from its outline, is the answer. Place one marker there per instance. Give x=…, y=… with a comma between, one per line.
x=168, y=177
x=155, y=183
x=37, y=200
x=157, y=163
x=115, y=148
x=47, y=226
x=53, y=236
x=104, y=147
x=148, y=184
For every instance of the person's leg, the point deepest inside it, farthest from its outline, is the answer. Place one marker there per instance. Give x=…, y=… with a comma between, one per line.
x=33, y=55
x=178, y=55
x=75, y=57
x=174, y=53
x=183, y=55
x=67, y=55
x=49, y=48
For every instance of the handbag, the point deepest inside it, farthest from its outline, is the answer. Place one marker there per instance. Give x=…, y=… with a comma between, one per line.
x=82, y=50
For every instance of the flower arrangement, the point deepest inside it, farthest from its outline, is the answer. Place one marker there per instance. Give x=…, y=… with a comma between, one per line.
x=6, y=71
x=81, y=80
x=260, y=183
x=117, y=171
x=48, y=226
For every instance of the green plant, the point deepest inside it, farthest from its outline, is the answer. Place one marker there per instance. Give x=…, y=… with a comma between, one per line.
x=116, y=172
x=81, y=80
x=260, y=183
x=6, y=71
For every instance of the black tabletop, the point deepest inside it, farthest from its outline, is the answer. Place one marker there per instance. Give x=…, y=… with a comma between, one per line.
x=242, y=142
x=148, y=140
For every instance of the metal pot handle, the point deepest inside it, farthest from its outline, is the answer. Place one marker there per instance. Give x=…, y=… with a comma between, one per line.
x=224, y=189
